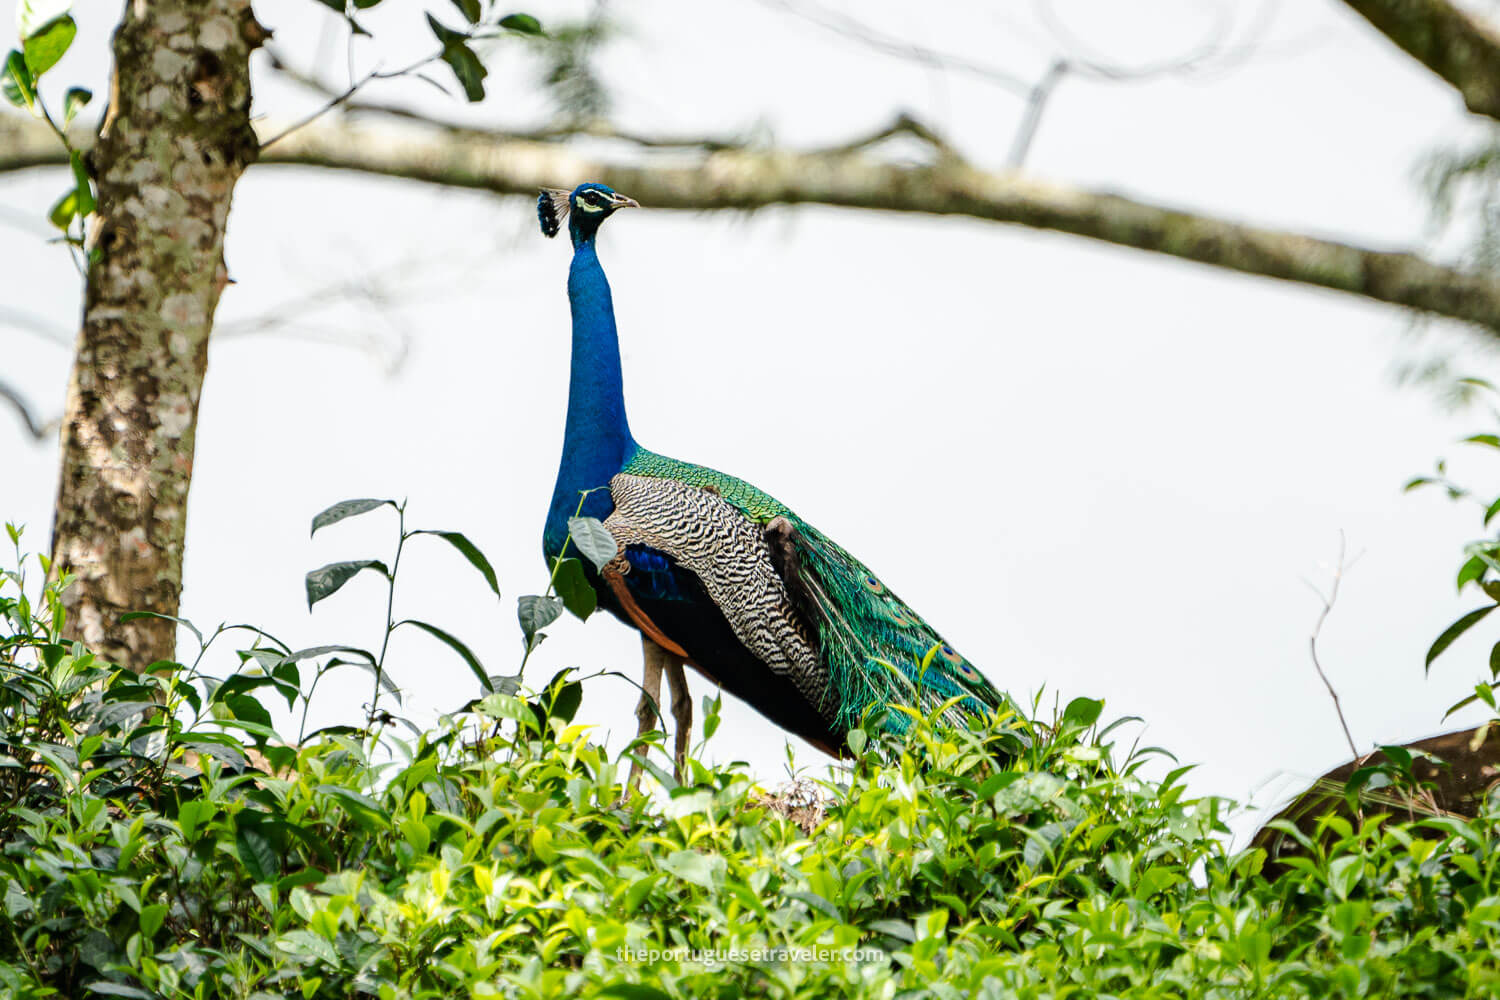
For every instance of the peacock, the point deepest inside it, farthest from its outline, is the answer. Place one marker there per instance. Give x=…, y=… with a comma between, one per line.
x=719, y=575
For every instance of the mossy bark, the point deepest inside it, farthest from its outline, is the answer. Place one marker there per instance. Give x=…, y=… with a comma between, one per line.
x=1460, y=47
x=176, y=139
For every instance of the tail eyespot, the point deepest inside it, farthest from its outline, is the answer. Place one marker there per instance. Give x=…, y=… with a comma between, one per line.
x=965, y=671
x=958, y=663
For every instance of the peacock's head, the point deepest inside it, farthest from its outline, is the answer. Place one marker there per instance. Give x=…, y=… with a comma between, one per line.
x=588, y=204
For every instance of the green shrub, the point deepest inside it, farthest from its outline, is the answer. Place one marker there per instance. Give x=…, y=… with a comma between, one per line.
x=142, y=855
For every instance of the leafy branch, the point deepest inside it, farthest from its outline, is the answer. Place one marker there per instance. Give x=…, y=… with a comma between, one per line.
x=328, y=580
x=456, y=51
x=44, y=40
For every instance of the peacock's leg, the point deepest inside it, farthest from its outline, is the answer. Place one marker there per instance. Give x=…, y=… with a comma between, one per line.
x=682, y=709
x=647, y=710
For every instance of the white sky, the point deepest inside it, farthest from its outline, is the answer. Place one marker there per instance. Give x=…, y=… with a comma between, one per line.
x=1093, y=469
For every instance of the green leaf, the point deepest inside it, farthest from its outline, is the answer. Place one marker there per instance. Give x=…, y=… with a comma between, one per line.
x=666, y=780
x=593, y=539
x=131, y=616
x=1485, y=552
x=469, y=70
x=81, y=182
x=505, y=683
x=253, y=844
x=309, y=945
x=690, y=866
x=1470, y=571
x=639, y=890
x=361, y=807
x=470, y=9
x=470, y=552
x=446, y=35
x=1477, y=383
x=1344, y=874
x=109, y=989
x=1488, y=440
x=536, y=613
x=1416, y=483
x=632, y=991
x=16, y=82
x=454, y=644
x=74, y=101
x=466, y=66
x=326, y=580
x=1455, y=630
x=222, y=747
x=524, y=24
x=1083, y=711
x=152, y=918
x=64, y=209
x=248, y=709
x=48, y=44
x=565, y=702
x=898, y=929
x=573, y=587
x=346, y=508
x=818, y=903
x=315, y=651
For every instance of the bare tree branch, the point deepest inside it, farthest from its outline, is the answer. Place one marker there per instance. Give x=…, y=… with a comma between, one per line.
x=854, y=30
x=1456, y=45
x=852, y=176
x=36, y=427
x=19, y=319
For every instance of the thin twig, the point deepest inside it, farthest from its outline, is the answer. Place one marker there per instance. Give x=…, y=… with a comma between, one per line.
x=1328, y=601
x=589, y=129
x=1036, y=103
x=340, y=98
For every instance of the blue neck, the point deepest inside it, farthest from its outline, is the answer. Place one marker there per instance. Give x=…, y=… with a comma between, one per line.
x=597, y=441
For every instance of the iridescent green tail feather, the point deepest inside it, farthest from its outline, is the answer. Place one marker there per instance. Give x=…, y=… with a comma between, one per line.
x=878, y=650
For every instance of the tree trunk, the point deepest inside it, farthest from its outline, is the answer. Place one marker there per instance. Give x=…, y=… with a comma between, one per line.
x=175, y=141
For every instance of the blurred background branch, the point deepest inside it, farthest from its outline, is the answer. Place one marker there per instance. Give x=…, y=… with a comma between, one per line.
x=854, y=175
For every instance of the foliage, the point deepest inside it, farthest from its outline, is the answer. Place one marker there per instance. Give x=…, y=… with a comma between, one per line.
x=158, y=838
x=568, y=53
x=1480, y=569
x=45, y=31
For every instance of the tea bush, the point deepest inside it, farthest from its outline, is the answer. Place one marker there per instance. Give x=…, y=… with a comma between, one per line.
x=159, y=839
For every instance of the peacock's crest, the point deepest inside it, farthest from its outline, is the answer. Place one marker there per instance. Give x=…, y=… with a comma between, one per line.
x=552, y=208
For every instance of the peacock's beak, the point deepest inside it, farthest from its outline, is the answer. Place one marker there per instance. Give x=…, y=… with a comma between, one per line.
x=620, y=201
